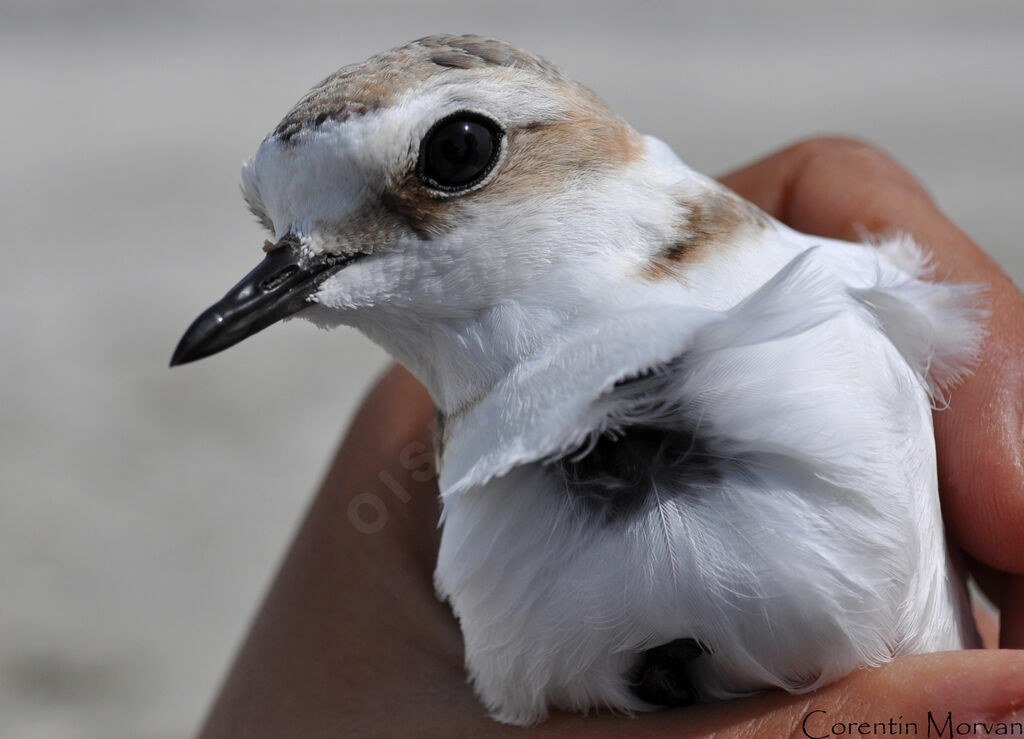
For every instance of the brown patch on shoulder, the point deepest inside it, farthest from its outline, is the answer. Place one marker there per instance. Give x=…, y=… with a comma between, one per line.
x=713, y=219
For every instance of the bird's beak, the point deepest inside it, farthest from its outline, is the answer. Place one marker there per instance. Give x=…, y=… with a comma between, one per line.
x=279, y=287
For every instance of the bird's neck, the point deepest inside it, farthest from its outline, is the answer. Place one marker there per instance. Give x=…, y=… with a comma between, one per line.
x=642, y=239
x=460, y=359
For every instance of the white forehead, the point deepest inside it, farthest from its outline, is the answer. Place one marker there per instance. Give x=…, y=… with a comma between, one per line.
x=322, y=172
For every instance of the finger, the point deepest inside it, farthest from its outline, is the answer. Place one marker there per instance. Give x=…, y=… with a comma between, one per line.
x=383, y=474
x=985, y=686
x=770, y=182
x=987, y=622
x=839, y=188
x=352, y=616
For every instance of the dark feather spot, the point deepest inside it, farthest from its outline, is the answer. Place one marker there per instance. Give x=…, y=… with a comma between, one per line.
x=662, y=676
x=453, y=59
x=616, y=476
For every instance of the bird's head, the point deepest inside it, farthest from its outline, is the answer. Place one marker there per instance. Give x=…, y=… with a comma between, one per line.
x=440, y=186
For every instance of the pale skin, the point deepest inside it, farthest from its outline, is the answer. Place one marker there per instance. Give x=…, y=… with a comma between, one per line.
x=352, y=640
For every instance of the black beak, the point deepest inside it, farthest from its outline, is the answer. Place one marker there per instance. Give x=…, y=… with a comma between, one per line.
x=279, y=287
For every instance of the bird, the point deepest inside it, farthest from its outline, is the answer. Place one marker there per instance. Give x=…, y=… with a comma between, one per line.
x=685, y=452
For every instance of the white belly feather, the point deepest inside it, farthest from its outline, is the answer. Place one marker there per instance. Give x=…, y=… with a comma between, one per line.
x=816, y=547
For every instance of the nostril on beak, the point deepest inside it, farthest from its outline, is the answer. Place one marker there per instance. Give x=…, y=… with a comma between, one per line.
x=274, y=281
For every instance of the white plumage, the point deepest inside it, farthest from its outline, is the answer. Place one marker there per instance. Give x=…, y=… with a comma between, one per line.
x=668, y=419
x=818, y=549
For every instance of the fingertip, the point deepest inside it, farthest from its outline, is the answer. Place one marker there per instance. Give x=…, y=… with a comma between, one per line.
x=925, y=688
x=794, y=183
x=845, y=187
x=980, y=449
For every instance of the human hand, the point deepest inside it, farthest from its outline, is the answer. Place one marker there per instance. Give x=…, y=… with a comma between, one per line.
x=352, y=640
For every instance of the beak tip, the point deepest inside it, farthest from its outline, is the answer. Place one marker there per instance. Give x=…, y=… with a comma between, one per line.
x=200, y=340
x=183, y=354
x=277, y=288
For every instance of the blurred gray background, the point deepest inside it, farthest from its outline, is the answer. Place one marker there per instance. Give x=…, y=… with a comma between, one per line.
x=143, y=510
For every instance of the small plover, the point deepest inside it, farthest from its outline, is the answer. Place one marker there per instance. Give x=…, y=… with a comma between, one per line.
x=687, y=452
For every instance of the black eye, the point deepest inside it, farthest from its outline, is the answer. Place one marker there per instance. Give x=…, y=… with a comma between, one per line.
x=459, y=151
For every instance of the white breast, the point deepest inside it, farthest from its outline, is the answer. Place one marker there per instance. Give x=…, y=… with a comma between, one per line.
x=818, y=549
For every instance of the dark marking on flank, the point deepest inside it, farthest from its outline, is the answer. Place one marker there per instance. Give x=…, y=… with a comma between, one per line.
x=617, y=475
x=649, y=451
x=663, y=676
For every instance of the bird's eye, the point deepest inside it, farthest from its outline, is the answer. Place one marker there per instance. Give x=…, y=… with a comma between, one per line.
x=459, y=151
